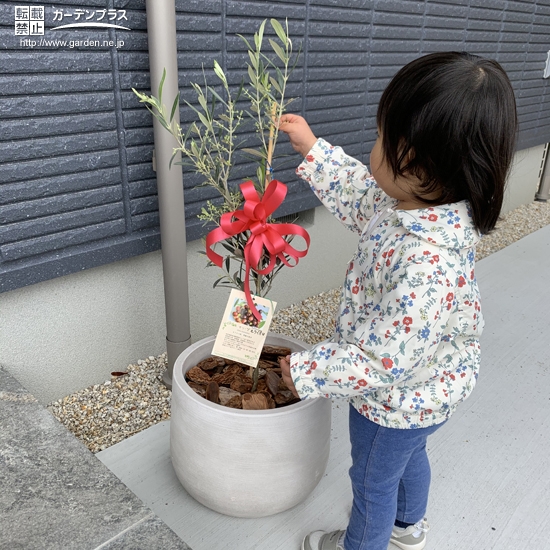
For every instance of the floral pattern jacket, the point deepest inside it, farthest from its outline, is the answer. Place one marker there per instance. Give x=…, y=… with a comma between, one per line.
x=406, y=344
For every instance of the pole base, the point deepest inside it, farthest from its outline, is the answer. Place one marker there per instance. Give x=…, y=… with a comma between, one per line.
x=167, y=379
x=173, y=349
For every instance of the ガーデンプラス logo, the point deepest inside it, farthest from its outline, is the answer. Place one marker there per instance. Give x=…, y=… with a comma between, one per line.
x=30, y=20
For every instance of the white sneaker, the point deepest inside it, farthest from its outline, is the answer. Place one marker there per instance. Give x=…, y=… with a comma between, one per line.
x=321, y=540
x=412, y=537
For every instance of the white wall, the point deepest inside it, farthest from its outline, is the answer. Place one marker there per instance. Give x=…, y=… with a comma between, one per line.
x=63, y=335
x=523, y=181
x=68, y=333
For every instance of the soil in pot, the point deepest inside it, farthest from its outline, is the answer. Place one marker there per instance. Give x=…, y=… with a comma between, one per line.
x=233, y=385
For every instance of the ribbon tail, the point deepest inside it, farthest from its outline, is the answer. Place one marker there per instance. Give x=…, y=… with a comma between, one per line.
x=247, y=292
x=215, y=236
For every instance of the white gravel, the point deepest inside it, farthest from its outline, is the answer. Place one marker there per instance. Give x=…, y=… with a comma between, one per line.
x=107, y=413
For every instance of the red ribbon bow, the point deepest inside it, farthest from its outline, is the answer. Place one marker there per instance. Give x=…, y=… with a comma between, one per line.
x=263, y=236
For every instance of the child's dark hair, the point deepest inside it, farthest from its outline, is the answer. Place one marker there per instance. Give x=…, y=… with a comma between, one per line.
x=450, y=120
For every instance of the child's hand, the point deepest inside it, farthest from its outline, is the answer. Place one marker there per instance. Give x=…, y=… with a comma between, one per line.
x=299, y=132
x=287, y=378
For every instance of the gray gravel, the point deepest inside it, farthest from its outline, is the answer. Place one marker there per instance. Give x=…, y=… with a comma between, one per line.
x=107, y=413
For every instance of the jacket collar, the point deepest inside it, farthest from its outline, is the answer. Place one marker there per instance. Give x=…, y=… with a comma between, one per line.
x=448, y=226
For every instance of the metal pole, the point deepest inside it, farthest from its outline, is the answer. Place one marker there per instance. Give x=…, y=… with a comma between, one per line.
x=544, y=189
x=161, y=30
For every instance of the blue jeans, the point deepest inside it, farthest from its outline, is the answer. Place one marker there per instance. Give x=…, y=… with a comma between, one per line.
x=390, y=477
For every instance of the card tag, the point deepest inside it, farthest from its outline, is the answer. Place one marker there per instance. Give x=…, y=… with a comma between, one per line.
x=241, y=336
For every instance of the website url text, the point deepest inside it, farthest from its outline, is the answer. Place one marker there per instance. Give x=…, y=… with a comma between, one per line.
x=43, y=43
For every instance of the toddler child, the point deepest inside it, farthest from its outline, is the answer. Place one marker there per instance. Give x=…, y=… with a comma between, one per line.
x=406, y=346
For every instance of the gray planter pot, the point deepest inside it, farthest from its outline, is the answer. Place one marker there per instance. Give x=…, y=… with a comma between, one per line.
x=246, y=463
